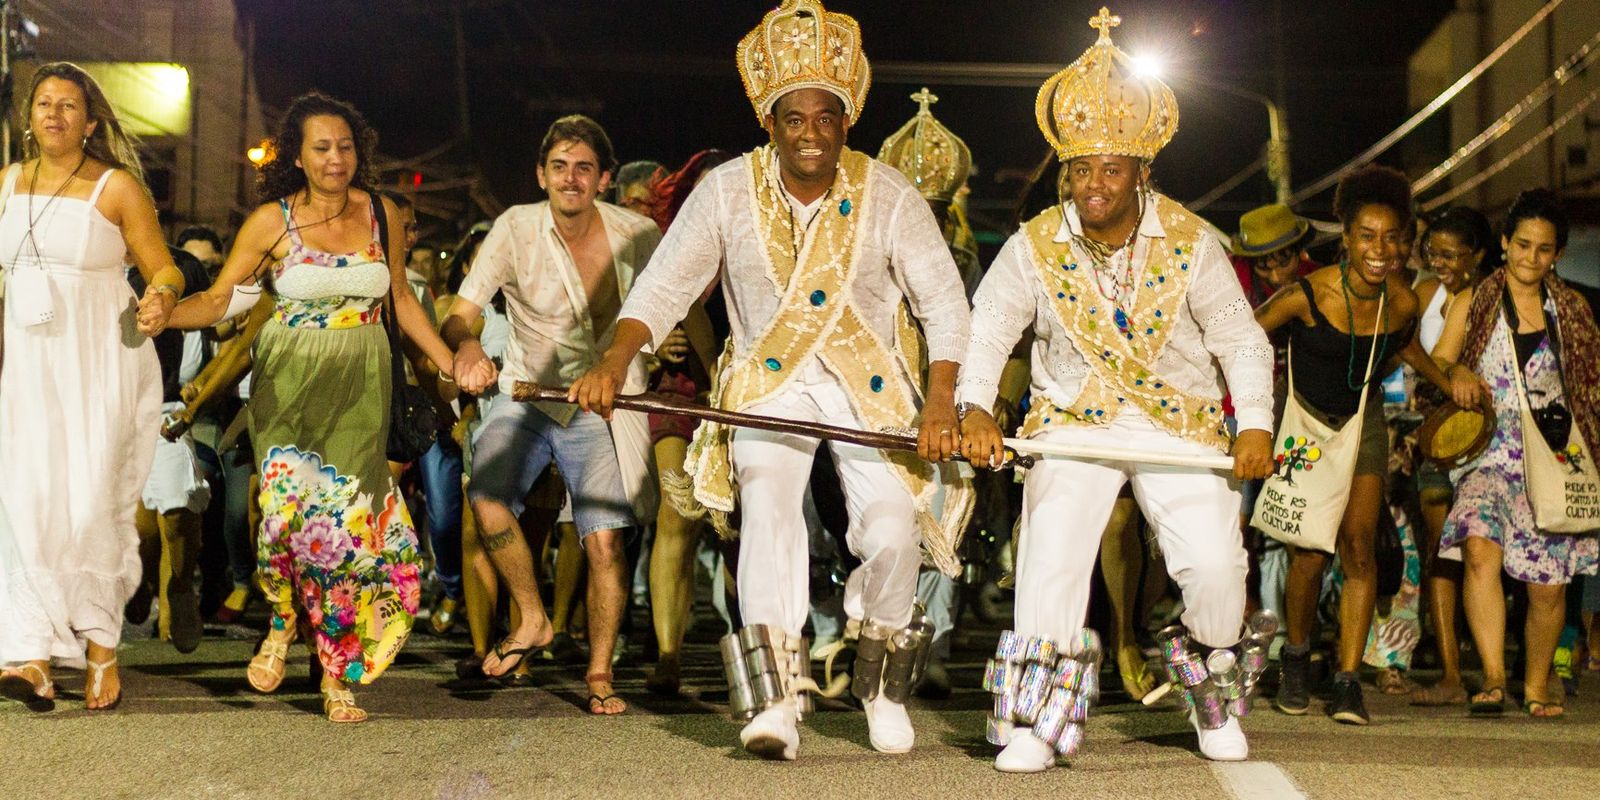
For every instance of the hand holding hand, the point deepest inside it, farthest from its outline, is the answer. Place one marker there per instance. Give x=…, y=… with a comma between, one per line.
x=982, y=440
x=472, y=369
x=155, y=308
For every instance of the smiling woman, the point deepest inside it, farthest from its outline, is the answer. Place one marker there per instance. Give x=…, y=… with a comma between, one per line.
x=80, y=394
x=1332, y=370
x=337, y=552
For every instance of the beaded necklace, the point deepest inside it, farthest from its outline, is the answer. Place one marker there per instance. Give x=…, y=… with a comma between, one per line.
x=1381, y=335
x=1104, y=258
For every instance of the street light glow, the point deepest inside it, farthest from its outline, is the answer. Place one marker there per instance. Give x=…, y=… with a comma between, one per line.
x=261, y=153
x=1145, y=66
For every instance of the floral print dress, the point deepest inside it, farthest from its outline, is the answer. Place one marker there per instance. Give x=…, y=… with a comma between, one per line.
x=336, y=548
x=1491, y=492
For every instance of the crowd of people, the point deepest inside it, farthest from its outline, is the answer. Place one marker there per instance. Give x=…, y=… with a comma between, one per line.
x=316, y=413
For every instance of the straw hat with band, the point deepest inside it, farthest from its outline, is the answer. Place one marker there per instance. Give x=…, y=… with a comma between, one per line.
x=1269, y=229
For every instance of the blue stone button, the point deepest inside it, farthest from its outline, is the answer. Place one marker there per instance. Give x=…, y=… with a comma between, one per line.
x=774, y=364
x=845, y=207
x=876, y=383
x=819, y=297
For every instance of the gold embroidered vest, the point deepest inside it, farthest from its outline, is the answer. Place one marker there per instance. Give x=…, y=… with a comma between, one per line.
x=1121, y=345
x=818, y=320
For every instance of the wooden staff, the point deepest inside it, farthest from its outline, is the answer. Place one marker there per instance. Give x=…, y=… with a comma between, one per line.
x=652, y=403
x=1022, y=452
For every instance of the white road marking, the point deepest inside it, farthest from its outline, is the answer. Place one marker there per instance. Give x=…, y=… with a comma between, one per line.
x=1256, y=780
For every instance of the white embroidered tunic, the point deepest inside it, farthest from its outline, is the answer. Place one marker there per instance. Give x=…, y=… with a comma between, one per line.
x=1214, y=327
x=902, y=256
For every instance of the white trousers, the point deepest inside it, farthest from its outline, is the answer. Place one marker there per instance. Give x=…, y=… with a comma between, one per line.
x=772, y=470
x=1065, y=507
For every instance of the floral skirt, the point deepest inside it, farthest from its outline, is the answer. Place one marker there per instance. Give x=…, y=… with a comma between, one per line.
x=336, y=540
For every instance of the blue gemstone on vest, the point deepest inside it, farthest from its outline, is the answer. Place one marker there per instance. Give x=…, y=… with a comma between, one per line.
x=1121, y=318
x=844, y=207
x=1060, y=295
x=876, y=383
x=774, y=364
x=819, y=297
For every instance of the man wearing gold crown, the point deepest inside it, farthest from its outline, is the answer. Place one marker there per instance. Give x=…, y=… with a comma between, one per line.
x=1135, y=305
x=821, y=252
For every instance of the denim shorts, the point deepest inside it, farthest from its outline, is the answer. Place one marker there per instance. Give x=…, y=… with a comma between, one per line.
x=517, y=441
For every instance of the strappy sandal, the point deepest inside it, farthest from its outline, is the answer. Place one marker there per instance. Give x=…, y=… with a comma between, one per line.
x=597, y=702
x=39, y=696
x=97, y=675
x=340, y=705
x=267, y=667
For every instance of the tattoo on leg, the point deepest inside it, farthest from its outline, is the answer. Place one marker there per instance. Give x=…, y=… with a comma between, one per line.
x=496, y=541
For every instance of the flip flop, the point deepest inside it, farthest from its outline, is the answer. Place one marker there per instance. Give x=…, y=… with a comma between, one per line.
x=597, y=705
x=1488, y=707
x=1542, y=710
x=597, y=702
x=521, y=653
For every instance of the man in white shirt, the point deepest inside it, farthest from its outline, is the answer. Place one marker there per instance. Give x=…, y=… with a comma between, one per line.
x=564, y=265
x=824, y=255
x=1134, y=305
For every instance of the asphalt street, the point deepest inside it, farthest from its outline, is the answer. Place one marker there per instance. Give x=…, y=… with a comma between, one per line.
x=191, y=728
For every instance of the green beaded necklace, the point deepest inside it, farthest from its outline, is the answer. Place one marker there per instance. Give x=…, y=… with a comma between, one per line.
x=1382, y=334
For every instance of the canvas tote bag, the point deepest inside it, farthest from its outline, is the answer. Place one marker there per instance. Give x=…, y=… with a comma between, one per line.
x=1303, y=500
x=1564, y=487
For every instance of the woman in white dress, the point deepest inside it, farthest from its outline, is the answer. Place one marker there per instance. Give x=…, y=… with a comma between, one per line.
x=80, y=391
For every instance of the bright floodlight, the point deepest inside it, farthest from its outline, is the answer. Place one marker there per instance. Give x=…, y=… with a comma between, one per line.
x=1146, y=66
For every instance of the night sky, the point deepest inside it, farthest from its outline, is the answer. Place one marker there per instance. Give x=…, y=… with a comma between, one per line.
x=660, y=76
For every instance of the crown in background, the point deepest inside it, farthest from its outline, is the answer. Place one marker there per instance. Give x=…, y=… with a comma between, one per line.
x=1100, y=105
x=936, y=160
x=801, y=45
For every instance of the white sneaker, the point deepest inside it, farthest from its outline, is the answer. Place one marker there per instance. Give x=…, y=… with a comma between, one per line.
x=1226, y=743
x=889, y=726
x=1025, y=753
x=773, y=734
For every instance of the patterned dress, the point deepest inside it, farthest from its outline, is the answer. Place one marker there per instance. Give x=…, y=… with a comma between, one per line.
x=336, y=540
x=1491, y=493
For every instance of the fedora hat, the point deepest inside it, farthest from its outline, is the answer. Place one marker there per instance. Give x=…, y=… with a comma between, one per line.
x=1269, y=229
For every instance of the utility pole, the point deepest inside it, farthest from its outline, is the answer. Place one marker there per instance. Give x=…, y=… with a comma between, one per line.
x=5, y=80
x=463, y=117
x=1278, y=135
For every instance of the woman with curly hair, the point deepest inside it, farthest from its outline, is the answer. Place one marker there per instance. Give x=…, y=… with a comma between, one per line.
x=80, y=396
x=337, y=552
x=1327, y=313
x=1524, y=319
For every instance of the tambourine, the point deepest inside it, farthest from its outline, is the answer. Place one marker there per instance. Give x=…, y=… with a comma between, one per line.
x=1453, y=436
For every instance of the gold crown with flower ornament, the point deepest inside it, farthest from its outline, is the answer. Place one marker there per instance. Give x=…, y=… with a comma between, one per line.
x=924, y=150
x=801, y=45
x=1101, y=105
